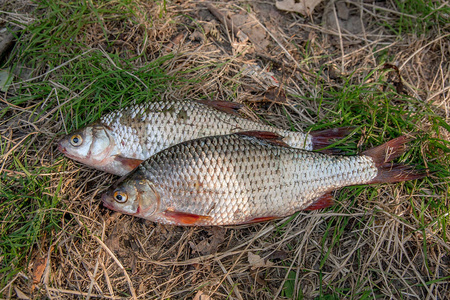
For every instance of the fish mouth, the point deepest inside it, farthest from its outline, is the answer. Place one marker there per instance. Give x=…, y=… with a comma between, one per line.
x=105, y=202
x=61, y=148
x=64, y=151
x=138, y=210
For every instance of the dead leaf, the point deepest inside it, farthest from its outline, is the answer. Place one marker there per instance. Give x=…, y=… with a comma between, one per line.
x=397, y=83
x=275, y=95
x=261, y=76
x=228, y=23
x=342, y=10
x=20, y=294
x=196, y=36
x=203, y=248
x=257, y=34
x=217, y=238
x=201, y=296
x=351, y=23
x=304, y=7
x=174, y=42
x=279, y=254
x=211, y=244
x=38, y=270
x=258, y=279
x=257, y=262
x=5, y=80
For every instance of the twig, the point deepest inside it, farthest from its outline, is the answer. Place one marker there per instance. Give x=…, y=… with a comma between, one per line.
x=91, y=285
x=340, y=35
x=117, y=67
x=282, y=64
x=130, y=284
x=108, y=281
x=421, y=49
x=238, y=33
x=276, y=40
x=227, y=275
x=80, y=293
x=54, y=69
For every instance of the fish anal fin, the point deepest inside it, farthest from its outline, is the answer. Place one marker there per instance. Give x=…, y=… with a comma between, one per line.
x=260, y=219
x=225, y=106
x=323, y=201
x=184, y=218
x=129, y=163
x=266, y=136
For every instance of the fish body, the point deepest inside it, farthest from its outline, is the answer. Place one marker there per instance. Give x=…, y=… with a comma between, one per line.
x=243, y=178
x=119, y=141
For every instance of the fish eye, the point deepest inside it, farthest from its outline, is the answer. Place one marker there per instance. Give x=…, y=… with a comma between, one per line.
x=76, y=140
x=120, y=197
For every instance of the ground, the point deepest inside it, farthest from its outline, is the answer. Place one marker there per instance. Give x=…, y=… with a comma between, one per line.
x=380, y=66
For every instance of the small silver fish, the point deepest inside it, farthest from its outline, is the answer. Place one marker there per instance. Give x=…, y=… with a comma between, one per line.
x=122, y=139
x=245, y=178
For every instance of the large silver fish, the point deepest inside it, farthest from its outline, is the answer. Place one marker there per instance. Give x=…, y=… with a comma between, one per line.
x=244, y=178
x=122, y=139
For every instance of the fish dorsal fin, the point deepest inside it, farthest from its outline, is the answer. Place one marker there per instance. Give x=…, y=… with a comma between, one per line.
x=184, y=218
x=266, y=136
x=322, y=202
x=225, y=106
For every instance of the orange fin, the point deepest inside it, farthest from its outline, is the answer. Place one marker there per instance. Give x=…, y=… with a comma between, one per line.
x=130, y=163
x=267, y=136
x=225, y=106
x=261, y=219
x=323, y=201
x=388, y=151
x=389, y=172
x=324, y=138
x=183, y=218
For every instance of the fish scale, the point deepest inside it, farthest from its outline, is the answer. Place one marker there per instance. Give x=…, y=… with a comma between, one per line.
x=122, y=139
x=235, y=179
x=165, y=125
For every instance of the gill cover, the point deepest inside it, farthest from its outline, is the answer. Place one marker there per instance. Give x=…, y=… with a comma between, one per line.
x=149, y=199
x=92, y=145
x=133, y=195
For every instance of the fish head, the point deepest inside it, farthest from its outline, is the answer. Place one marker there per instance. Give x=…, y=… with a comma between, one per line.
x=93, y=145
x=133, y=195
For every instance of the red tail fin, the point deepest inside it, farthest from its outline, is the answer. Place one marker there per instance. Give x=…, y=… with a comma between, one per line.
x=324, y=138
x=389, y=172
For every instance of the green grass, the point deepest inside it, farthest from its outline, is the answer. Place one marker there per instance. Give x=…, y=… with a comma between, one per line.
x=88, y=83
x=27, y=210
x=419, y=17
x=383, y=114
x=93, y=82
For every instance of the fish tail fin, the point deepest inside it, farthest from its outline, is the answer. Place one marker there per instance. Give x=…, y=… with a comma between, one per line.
x=387, y=171
x=324, y=138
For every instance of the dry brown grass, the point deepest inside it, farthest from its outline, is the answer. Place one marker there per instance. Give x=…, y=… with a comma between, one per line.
x=373, y=247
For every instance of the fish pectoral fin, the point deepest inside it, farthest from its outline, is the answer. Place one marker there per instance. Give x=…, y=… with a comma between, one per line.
x=323, y=201
x=183, y=218
x=266, y=136
x=129, y=163
x=225, y=106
